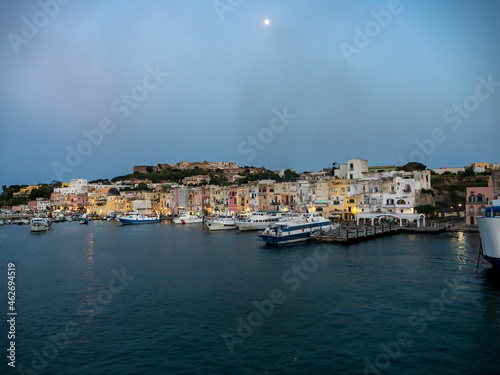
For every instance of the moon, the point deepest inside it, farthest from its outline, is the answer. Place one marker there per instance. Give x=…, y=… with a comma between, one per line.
x=267, y=22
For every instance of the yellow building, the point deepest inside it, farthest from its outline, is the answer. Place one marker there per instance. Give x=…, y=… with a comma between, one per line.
x=216, y=204
x=29, y=189
x=342, y=200
x=243, y=199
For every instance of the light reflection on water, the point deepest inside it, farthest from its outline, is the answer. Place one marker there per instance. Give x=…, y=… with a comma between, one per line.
x=90, y=254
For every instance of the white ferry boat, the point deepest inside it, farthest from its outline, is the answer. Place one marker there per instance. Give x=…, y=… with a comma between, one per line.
x=222, y=222
x=296, y=229
x=39, y=224
x=187, y=218
x=259, y=220
x=138, y=218
x=489, y=230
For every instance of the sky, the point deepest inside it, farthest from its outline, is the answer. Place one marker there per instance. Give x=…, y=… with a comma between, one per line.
x=91, y=88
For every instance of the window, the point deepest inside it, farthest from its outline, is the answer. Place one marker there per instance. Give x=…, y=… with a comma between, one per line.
x=350, y=176
x=374, y=201
x=471, y=198
x=480, y=198
x=482, y=210
x=401, y=201
x=471, y=210
x=390, y=201
x=351, y=166
x=342, y=191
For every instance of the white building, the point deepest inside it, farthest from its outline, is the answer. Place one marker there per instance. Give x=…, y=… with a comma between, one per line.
x=76, y=186
x=353, y=169
x=42, y=204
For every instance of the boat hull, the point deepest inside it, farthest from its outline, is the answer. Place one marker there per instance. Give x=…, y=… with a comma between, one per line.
x=193, y=220
x=221, y=226
x=252, y=226
x=292, y=234
x=138, y=221
x=489, y=230
x=39, y=228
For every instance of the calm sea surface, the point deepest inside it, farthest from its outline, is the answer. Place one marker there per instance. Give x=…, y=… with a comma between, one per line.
x=163, y=299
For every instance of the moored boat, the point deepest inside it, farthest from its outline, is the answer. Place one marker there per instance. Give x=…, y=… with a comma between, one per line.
x=187, y=219
x=222, y=222
x=489, y=230
x=259, y=220
x=296, y=229
x=39, y=224
x=138, y=218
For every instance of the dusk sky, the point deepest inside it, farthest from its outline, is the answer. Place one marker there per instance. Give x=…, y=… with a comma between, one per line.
x=153, y=82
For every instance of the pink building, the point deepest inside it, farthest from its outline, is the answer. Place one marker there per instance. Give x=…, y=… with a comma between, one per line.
x=205, y=200
x=478, y=198
x=233, y=199
x=32, y=205
x=56, y=200
x=83, y=200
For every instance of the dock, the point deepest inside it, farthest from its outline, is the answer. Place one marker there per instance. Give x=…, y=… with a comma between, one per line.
x=347, y=234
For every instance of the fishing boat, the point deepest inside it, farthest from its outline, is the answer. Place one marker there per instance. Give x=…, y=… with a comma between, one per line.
x=83, y=220
x=221, y=222
x=187, y=218
x=489, y=230
x=138, y=218
x=296, y=229
x=39, y=224
x=259, y=220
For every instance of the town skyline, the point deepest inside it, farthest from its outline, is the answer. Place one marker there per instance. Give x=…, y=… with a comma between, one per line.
x=132, y=169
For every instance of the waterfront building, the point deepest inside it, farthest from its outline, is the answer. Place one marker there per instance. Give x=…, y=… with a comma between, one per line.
x=320, y=191
x=216, y=204
x=253, y=196
x=242, y=193
x=337, y=199
x=205, y=200
x=233, y=200
x=478, y=198
x=42, y=204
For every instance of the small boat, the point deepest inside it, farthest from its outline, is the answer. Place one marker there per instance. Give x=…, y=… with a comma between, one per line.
x=83, y=220
x=222, y=222
x=39, y=224
x=138, y=218
x=296, y=229
x=489, y=231
x=187, y=219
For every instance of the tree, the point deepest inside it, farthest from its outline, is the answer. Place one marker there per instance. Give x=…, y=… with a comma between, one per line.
x=412, y=166
x=468, y=172
x=149, y=169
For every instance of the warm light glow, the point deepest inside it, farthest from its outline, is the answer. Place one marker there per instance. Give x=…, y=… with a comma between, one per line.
x=355, y=210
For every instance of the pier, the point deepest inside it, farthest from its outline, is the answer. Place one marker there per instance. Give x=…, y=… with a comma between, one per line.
x=347, y=234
